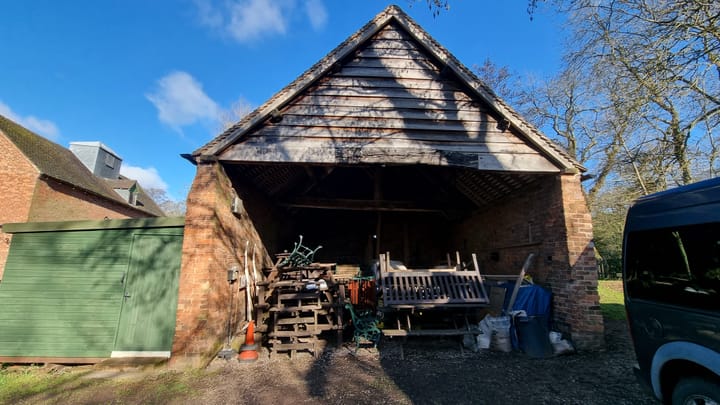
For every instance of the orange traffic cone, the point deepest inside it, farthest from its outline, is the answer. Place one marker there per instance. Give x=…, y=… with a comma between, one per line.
x=248, y=351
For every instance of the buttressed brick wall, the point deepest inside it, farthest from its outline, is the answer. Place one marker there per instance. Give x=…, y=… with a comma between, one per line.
x=579, y=310
x=549, y=218
x=215, y=241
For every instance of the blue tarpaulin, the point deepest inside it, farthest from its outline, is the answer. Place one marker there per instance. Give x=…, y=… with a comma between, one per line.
x=531, y=330
x=533, y=299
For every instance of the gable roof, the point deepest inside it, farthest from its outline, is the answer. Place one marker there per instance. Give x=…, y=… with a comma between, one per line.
x=59, y=163
x=331, y=62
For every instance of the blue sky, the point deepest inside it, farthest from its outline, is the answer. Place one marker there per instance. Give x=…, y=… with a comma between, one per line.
x=152, y=79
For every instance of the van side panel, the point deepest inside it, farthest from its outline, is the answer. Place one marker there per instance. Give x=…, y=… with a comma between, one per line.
x=671, y=275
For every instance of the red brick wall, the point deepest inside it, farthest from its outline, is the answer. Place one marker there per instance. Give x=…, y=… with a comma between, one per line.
x=27, y=198
x=17, y=183
x=579, y=310
x=215, y=240
x=55, y=201
x=548, y=218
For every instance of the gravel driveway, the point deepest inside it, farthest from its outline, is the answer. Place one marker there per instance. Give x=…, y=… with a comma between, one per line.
x=435, y=372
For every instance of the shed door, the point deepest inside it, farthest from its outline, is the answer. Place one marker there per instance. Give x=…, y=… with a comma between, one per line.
x=147, y=317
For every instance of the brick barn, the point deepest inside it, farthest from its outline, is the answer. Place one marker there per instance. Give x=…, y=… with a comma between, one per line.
x=387, y=144
x=41, y=181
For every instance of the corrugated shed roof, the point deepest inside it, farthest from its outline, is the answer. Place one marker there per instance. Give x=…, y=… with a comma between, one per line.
x=392, y=13
x=59, y=163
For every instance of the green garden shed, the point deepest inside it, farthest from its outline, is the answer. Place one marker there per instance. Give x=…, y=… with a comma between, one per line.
x=85, y=291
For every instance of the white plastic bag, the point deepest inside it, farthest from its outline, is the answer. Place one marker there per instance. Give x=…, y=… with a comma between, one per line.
x=483, y=340
x=499, y=334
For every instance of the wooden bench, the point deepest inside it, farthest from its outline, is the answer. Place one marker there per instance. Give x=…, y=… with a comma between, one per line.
x=431, y=288
x=404, y=291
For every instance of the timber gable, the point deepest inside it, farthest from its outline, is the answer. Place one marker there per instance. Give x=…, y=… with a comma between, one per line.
x=390, y=94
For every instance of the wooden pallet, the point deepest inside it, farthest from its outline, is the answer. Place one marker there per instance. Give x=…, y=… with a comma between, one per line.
x=298, y=310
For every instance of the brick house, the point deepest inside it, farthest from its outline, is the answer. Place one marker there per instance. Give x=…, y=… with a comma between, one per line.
x=388, y=143
x=42, y=181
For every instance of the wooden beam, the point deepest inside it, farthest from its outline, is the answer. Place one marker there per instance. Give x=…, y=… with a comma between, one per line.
x=326, y=153
x=359, y=205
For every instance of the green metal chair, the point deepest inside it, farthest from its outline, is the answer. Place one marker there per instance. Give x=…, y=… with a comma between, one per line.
x=300, y=256
x=366, y=326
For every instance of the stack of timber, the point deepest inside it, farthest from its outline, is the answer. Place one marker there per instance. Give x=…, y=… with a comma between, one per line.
x=301, y=303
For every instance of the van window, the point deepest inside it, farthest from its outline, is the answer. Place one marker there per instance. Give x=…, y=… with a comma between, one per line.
x=679, y=266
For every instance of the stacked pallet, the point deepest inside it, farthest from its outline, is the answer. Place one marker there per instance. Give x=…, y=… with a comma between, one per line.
x=301, y=303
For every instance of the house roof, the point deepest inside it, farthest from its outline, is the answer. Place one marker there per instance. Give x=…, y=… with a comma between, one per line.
x=528, y=132
x=143, y=200
x=122, y=183
x=59, y=163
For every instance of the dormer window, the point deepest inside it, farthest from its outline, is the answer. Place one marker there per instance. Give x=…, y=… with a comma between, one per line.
x=132, y=194
x=110, y=161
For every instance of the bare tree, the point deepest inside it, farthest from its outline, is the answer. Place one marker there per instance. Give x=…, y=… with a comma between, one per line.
x=170, y=207
x=637, y=100
x=237, y=111
x=667, y=56
x=571, y=110
x=435, y=6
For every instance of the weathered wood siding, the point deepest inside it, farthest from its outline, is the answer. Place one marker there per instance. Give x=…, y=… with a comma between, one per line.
x=390, y=102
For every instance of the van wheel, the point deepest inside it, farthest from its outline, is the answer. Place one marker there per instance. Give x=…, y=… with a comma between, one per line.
x=690, y=391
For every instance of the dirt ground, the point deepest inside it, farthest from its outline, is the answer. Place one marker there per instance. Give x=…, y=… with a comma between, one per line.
x=434, y=371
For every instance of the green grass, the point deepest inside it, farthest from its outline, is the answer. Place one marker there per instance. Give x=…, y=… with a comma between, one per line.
x=612, y=301
x=18, y=384
x=42, y=386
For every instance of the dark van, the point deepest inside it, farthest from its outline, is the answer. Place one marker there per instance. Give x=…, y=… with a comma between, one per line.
x=671, y=273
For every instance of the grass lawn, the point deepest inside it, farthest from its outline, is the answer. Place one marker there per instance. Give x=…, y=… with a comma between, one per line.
x=612, y=302
x=42, y=385
x=27, y=381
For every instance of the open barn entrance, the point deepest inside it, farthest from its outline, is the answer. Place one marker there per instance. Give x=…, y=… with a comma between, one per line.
x=417, y=213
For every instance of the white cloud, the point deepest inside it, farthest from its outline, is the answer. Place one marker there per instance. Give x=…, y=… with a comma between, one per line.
x=180, y=100
x=147, y=177
x=317, y=14
x=208, y=14
x=234, y=114
x=255, y=18
x=249, y=20
x=43, y=127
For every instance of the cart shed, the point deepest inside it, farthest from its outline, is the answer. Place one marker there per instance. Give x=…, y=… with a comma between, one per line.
x=84, y=291
x=387, y=144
